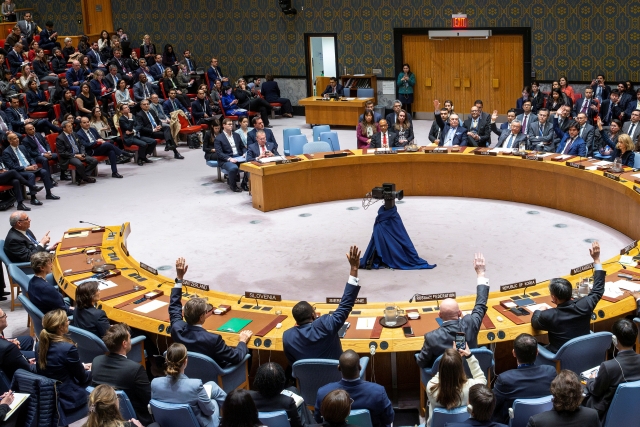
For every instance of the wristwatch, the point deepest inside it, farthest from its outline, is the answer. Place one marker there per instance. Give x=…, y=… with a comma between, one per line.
x=178, y=280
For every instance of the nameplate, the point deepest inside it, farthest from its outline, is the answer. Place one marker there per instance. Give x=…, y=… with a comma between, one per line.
x=637, y=181
x=337, y=300
x=485, y=153
x=386, y=152
x=575, y=165
x=582, y=268
x=437, y=151
x=335, y=155
x=195, y=285
x=121, y=229
x=628, y=247
x=636, y=189
x=260, y=295
x=282, y=162
x=148, y=268
x=611, y=176
x=124, y=249
x=532, y=157
x=518, y=285
x=434, y=297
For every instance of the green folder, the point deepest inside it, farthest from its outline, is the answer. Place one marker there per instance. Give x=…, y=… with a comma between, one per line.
x=234, y=325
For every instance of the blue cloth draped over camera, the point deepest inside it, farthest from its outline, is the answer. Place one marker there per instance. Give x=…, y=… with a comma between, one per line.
x=390, y=244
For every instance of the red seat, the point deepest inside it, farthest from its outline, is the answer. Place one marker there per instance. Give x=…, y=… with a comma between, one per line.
x=164, y=95
x=40, y=115
x=57, y=111
x=186, y=128
x=224, y=114
x=131, y=148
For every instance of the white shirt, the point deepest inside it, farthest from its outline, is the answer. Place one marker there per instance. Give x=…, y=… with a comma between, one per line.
x=232, y=142
x=448, y=140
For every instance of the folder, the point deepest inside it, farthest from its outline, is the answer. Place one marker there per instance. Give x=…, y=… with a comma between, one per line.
x=234, y=325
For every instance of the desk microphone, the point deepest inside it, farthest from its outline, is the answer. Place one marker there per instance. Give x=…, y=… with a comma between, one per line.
x=334, y=155
x=101, y=226
x=413, y=297
x=240, y=299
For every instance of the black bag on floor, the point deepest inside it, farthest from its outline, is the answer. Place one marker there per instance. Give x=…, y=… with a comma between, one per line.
x=193, y=141
x=6, y=200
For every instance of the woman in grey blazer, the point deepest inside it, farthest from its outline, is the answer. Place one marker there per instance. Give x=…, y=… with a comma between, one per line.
x=176, y=387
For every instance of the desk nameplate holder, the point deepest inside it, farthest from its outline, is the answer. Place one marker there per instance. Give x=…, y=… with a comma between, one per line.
x=288, y=160
x=581, y=269
x=359, y=300
x=575, y=165
x=482, y=152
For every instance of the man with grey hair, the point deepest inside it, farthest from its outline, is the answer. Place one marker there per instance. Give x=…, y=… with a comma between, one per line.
x=71, y=151
x=11, y=177
x=156, y=106
x=392, y=117
x=20, y=242
x=509, y=138
x=262, y=148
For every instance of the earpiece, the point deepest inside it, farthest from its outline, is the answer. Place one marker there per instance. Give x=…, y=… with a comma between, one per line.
x=614, y=339
x=470, y=409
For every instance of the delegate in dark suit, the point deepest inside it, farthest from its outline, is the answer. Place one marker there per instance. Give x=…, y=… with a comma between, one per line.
x=142, y=91
x=12, y=359
x=470, y=422
x=435, y=132
x=531, y=118
x=91, y=319
x=525, y=382
x=197, y=339
x=225, y=153
x=365, y=395
x=377, y=140
x=505, y=140
x=90, y=142
x=37, y=147
x=437, y=341
x=577, y=146
x=10, y=160
x=636, y=130
x=339, y=90
x=319, y=339
x=542, y=134
x=147, y=127
x=46, y=297
x=279, y=402
x=271, y=92
x=601, y=389
x=251, y=137
x=581, y=417
x=126, y=375
x=605, y=91
x=591, y=109
x=459, y=136
x=482, y=129
x=254, y=150
x=572, y=318
x=68, y=146
x=587, y=133
x=15, y=61
x=19, y=247
x=609, y=111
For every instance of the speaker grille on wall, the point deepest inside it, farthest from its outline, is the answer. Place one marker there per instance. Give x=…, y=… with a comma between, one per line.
x=286, y=7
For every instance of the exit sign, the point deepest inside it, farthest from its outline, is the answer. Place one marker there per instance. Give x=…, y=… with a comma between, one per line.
x=459, y=20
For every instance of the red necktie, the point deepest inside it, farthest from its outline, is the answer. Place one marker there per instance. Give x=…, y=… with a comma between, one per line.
x=384, y=140
x=264, y=150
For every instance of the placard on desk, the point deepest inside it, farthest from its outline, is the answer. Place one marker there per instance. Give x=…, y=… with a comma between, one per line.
x=256, y=163
x=125, y=286
x=519, y=320
x=316, y=156
x=161, y=314
x=92, y=239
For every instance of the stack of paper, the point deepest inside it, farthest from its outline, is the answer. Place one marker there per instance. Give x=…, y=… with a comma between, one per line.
x=611, y=290
x=629, y=286
x=366, y=323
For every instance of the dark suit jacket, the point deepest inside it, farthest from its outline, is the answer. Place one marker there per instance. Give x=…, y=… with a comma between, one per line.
x=120, y=65
x=223, y=148
x=156, y=72
x=365, y=395
x=536, y=102
x=33, y=98
x=470, y=422
x=126, y=375
x=84, y=139
x=197, y=339
x=91, y=319
x=546, y=137
x=435, y=132
x=530, y=120
x=319, y=339
x=591, y=113
x=570, y=319
x=624, y=368
x=76, y=76
x=18, y=247
x=110, y=81
x=254, y=150
x=528, y=382
x=280, y=402
x=94, y=59
x=609, y=111
x=46, y=297
x=32, y=146
x=198, y=110
x=128, y=125
x=145, y=125
x=582, y=417
x=46, y=41
x=437, y=341
x=631, y=105
x=502, y=139
x=636, y=130
x=11, y=359
x=270, y=91
x=460, y=137
x=138, y=91
x=376, y=139
x=167, y=106
x=15, y=61
x=11, y=161
x=408, y=135
x=65, y=150
x=606, y=91
x=16, y=120
x=588, y=136
x=251, y=137
x=483, y=130
x=329, y=89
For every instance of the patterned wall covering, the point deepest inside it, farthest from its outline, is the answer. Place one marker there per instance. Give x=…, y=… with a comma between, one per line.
x=63, y=13
x=575, y=37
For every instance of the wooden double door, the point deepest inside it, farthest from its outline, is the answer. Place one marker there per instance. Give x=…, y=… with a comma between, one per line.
x=464, y=70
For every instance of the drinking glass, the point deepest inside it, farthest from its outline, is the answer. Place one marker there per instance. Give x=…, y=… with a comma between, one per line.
x=390, y=315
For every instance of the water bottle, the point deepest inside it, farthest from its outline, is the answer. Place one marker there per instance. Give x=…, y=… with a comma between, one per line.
x=617, y=164
x=523, y=147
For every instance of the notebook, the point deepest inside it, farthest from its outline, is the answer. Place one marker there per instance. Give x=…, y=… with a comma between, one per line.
x=234, y=325
x=18, y=399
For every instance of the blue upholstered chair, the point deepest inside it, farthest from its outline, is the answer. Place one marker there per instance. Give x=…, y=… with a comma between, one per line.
x=346, y=92
x=12, y=285
x=125, y=406
x=275, y=419
x=332, y=139
x=578, y=354
x=318, y=129
x=316, y=147
x=636, y=160
x=286, y=133
x=311, y=374
x=206, y=369
x=360, y=418
x=296, y=142
x=173, y=414
x=624, y=406
x=34, y=314
x=523, y=409
x=365, y=93
x=90, y=346
x=18, y=276
x=443, y=416
x=214, y=164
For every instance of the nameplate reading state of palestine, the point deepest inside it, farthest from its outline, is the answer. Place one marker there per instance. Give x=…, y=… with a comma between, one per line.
x=196, y=285
x=628, y=247
x=148, y=268
x=260, y=295
x=582, y=268
x=517, y=285
x=337, y=300
x=575, y=165
x=435, y=297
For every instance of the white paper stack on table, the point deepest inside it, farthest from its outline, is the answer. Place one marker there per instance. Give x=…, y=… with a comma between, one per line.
x=270, y=159
x=366, y=323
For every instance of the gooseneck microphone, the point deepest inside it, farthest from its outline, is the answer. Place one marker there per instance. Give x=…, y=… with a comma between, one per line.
x=413, y=297
x=97, y=225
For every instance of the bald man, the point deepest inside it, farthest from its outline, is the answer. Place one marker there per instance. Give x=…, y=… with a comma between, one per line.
x=437, y=341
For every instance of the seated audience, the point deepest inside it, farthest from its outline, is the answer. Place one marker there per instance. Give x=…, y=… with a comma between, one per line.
x=169, y=58
x=435, y=133
x=271, y=93
x=116, y=370
x=239, y=410
x=384, y=138
x=148, y=50
x=150, y=126
x=76, y=75
x=366, y=129
x=335, y=408
x=95, y=57
x=85, y=65
x=104, y=410
x=176, y=387
x=59, y=360
x=251, y=102
x=216, y=93
x=15, y=352
x=392, y=117
x=452, y=134
x=170, y=82
x=202, y=110
x=528, y=381
x=208, y=145
x=587, y=105
x=156, y=106
x=9, y=11
x=368, y=106
x=437, y=341
x=481, y=405
x=37, y=101
x=86, y=315
x=215, y=73
x=130, y=131
x=27, y=76
x=157, y=69
x=565, y=88
x=334, y=88
x=123, y=96
x=42, y=69
x=31, y=54
x=100, y=123
x=586, y=132
x=231, y=151
x=536, y=97
x=365, y=395
x=68, y=106
x=8, y=85
x=230, y=103
x=84, y=45
x=101, y=89
x=526, y=96
x=20, y=243
x=173, y=104
x=555, y=101
x=190, y=332
x=567, y=412
x=48, y=37
x=403, y=128
x=143, y=89
x=527, y=118
x=317, y=337
x=449, y=388
x=611, y=108
x=41, y=293
x=71, y=151
x=634, y=104
x=624, y=368
x=15, y=58
x=570, y=142
x=68, y=52
x=86, y=100
x=570, y=318
x=185, y=79
x=258, y=124
x=269, y=395
x=13, y=178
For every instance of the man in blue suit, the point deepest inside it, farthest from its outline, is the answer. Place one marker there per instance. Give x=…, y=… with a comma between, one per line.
x=95, y=59
x=96, y=146
x=262, y=148
x=334, y=87
x=452, y=133
x=172, y=104
x=365, y=395
x=528, y=381
x=258, y=124
x=570, y=142
x=318, y=337
x=634, y=104
x=190, y=331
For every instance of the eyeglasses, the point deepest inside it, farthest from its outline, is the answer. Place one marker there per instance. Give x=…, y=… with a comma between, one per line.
x=25, y=219
x=3, y=317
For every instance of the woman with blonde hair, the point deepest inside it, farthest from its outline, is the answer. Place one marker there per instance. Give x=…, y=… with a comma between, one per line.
x=176, y=387
x=58, y=359
x=624, y=150
x=104, y=409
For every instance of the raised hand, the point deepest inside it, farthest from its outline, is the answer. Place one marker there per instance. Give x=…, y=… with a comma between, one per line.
x=494, y=116
x=181, y=268
x=479, y=264
x=436, y=104
x=354, y=260
x=594, y=251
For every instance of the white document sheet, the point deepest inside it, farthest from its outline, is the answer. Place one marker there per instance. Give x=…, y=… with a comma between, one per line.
x=106, y=284
x=627, y=285
x=366, y=323
x=546, y=154
x=150, y=306
x=602, y=163
x=543, y=306
x=271, y=159
x=627, y=260
x=76, y=235
x=611, y=290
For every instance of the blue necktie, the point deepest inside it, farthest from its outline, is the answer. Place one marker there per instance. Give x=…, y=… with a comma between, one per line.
x=153, y=122
x=510, y=141
x=21, y=158
x=73, y=145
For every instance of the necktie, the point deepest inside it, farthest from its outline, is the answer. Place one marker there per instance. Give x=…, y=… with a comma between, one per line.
x=40, y=147
x=21, y=158
x=585, y=106
x=541, y=128
x=568, y=147
x=153, y=122
x=33, y=239
x=524, y=124
x=115, y=79
x=145, y=91
x=510, y=141
x=91, y=139
x=161, y=68
x=384, y=140
x=189, y=67
x=264, y=150
x=581, y=129
x=73, y=144
x=174, y=105
x=632, y=129
x=19, y=113
x=474, y=125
